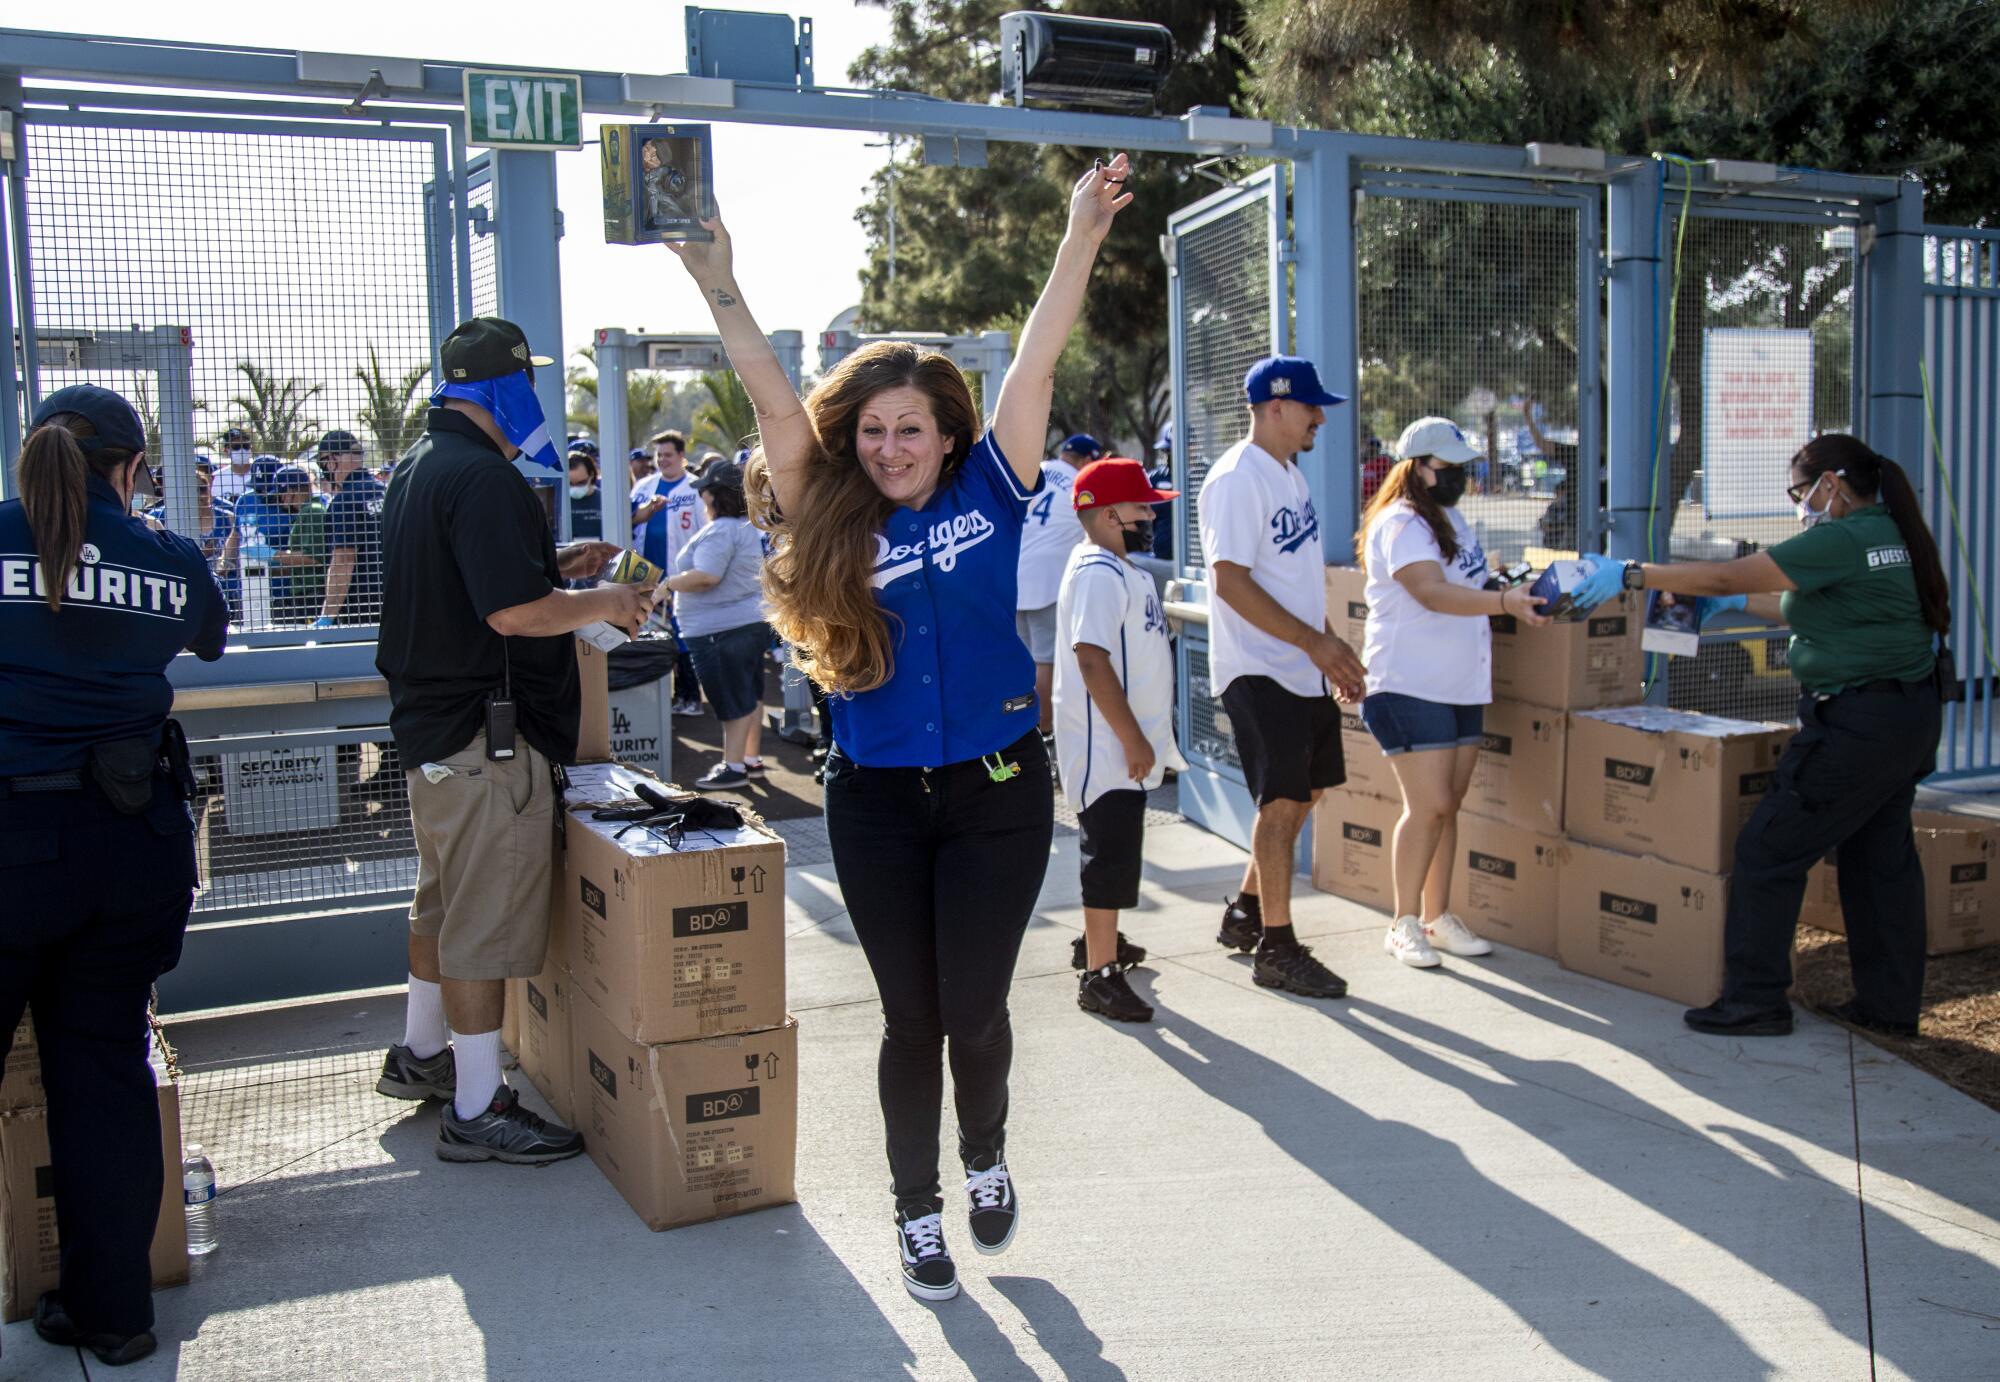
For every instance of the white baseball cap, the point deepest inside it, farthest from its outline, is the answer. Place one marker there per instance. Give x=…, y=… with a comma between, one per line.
x=1435, y=436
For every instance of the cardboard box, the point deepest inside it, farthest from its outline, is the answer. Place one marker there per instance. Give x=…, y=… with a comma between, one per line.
x=692, y=1131
x=1350, y=857
x=593, y=736
x=1961, y=884
x=1644, y=923
x=510, y=1021
x=1347, y=604
x=29, y=1250
x=1519, y=777
x=607, y=784
x=1593, y=661
x=1368, y=770
x=1670, y=783
x=1503, y=882
x=21, y=1077
x=676, y=943
x=547, y=1049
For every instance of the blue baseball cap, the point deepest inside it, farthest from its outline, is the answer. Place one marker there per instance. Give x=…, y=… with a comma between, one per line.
x=1290, y=378
x=1083, y=444
x=291, y=477
x=638, y=453
x=115, y=421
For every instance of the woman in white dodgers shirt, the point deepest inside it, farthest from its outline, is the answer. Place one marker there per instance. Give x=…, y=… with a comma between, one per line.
x=1429, y=653
x=898, y=526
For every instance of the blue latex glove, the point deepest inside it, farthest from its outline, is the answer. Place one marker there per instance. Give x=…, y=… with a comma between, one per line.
x=322, y=623
x=1605, y=581
x=258, y=552
x=1708, y=606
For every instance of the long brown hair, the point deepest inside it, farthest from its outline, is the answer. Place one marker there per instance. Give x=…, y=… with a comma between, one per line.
x=1873, y=475
x=53, y=476
x=1402, y=483
x=819, y=573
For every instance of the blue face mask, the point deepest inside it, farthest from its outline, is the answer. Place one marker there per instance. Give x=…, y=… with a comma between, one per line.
x=516, y=411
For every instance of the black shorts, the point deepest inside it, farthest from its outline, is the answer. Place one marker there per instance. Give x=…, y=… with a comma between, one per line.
x=1114, y=835
x=1290, y=745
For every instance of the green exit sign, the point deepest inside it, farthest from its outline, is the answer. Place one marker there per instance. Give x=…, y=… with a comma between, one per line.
x=523, y=110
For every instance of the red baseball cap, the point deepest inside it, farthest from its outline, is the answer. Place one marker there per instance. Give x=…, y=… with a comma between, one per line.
x=1116, y=480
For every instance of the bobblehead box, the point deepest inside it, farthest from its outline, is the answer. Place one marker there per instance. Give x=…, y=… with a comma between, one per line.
x=1574, y=664
x=1961, y=884
x=1350, y=854
x=693, y=1130
x=1503, y=882
x=675, y=935
x=1643, y=923
x=30, y=1251
x=593, y=738
x=1367, y=767
x=1669, y=783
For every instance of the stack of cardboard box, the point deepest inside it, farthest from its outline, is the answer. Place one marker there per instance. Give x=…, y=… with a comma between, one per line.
x=1961, y=883
x=658, y=1027
x=29, y=1249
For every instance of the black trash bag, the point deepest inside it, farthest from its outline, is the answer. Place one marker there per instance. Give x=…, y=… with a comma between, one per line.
x=641, y=661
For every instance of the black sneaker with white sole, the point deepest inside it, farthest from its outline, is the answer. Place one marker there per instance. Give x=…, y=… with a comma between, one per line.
x=720, y=778
x=1293, y=968
x=992, y=1211
x=504, y=1132
x=1241, y=930
x=404, y=1076
x=928, y=1271
x=1108, y=993
x=1128, y=954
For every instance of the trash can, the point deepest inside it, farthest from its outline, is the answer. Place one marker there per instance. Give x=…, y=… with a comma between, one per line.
x=642, y=704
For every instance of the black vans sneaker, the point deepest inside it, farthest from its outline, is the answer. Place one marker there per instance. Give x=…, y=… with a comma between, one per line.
x=1108, y=993
x=504, y=1132
x=1293, y=968
x=928, y=1271
x=1241, y=930
x=1128, y=954
x=992, y=1211
x=406, y=1077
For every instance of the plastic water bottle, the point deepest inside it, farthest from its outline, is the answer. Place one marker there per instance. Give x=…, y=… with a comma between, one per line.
x=198, y=1198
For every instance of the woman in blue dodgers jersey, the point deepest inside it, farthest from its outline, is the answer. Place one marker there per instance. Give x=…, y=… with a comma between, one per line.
x=899, y=528
x=94, y=604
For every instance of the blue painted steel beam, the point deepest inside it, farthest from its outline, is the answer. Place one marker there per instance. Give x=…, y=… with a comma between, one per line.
x=529, y=277
x=1328, y=333
x=1636, y=318
x=1893, y=283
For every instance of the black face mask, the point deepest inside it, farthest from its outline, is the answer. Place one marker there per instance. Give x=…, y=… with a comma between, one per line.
x=1138, y=536
x=1450, y=486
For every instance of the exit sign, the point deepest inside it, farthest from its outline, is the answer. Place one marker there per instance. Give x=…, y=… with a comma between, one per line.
x=523, y=110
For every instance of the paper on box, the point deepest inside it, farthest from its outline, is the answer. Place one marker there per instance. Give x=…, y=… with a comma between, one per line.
x=1367, y=767
x=1641, y=922
x=691, y=1131
x=21, y=1077
x=607, y=784
x=1670, y=783
x=1350, y=857
x=1503, y=882
x=1519, y=775
x=1593, y=661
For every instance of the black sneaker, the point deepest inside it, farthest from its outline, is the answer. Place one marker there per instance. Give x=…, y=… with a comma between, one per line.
x=928, y=1271
x=1293, y=968
x=753, y=767
x=1109, y=994
x=55, y=1326
x=1850, y=1014
x=1127, y=955
x=720, y=778
x=505, y=1132
x=1722, y=1019
x=406, y=1077
x=1241, y=930
x=992, y=1211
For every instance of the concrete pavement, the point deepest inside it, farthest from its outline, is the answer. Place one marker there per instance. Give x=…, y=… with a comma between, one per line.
x=1499, y=1170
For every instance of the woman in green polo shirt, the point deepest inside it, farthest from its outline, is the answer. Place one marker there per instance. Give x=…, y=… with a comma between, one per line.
x=1866, y=598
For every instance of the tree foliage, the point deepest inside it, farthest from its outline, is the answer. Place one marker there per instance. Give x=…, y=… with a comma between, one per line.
x=392, y=410
x=654, y=402
x=727, y=421
x=274, y=411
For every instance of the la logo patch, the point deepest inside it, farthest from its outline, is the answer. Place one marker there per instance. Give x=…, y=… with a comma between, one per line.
x=1280, y=387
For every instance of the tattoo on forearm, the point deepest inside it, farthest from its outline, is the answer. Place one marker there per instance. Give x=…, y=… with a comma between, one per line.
x=723, y=298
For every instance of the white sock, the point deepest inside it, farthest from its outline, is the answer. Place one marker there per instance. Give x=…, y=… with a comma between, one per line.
x=733, y=767
x=478, y=1071
x=423, y=1023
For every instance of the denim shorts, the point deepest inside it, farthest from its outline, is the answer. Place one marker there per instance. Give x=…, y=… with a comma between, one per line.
x=731, y=667
x=1407, y=724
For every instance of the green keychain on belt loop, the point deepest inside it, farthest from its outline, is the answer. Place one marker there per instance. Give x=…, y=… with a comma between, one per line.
x=999, y=769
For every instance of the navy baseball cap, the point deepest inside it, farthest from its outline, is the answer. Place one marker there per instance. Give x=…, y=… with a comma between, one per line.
x=1083, y=444
x=1290, y=378
x=339, y=443
x=115, y=421
x=638, y=453
x=291, y=477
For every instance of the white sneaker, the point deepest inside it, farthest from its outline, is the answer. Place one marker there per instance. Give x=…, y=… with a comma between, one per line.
x=1406, y=942
x=1454, y=937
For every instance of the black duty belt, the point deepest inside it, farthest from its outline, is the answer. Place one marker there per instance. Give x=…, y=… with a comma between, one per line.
x=1888, y=685
x=71, y=781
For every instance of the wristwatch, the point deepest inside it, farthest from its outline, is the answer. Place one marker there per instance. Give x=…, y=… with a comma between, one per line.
x=1635, y=576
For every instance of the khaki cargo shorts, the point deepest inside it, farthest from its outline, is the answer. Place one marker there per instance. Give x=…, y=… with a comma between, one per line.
x=486, y=841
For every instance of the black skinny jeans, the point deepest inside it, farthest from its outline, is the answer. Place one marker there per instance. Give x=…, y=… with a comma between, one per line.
x=1846, y=782
x=940, y=869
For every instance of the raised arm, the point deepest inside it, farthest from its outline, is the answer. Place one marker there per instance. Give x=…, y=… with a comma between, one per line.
x=783, y=429
x=1021, y=416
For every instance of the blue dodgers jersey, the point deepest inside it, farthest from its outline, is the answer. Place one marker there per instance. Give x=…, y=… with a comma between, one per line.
x=96, y=669
x=961, y=683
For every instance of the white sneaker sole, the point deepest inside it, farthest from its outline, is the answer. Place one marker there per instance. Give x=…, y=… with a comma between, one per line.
x=923, y=1292
x=1001, y=1246
x=1415, y=959
x=1463, y=952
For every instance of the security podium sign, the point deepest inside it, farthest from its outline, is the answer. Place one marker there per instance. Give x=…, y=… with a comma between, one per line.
x=523, y=110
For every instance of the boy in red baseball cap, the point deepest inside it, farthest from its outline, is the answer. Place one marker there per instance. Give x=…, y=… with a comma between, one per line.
x=1114, y=716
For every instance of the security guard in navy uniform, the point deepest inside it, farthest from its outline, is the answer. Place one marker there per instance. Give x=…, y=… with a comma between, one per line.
x=97, y=859
x=1868, y=603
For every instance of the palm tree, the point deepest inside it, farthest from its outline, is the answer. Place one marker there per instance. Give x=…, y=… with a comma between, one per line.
x=393, y=412
x=274, y=411
x=727, y=421
x=649, y=398
x=149, y=415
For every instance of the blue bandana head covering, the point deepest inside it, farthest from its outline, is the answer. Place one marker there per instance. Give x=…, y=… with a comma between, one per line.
x=512, y=402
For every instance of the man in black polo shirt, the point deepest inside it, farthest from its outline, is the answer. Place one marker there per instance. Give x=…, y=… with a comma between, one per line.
x=475, y=643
